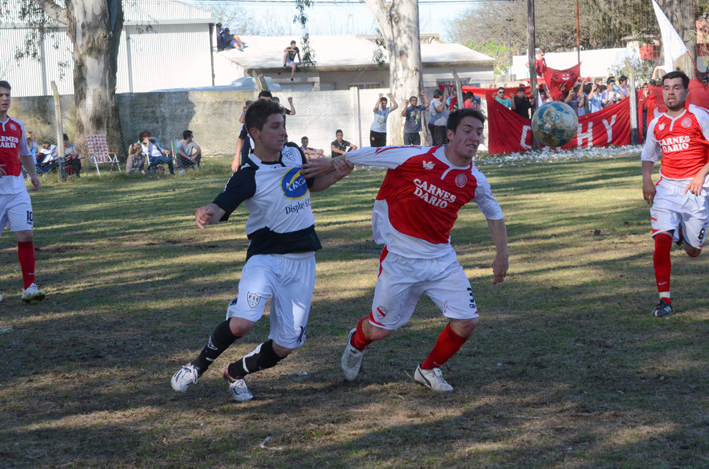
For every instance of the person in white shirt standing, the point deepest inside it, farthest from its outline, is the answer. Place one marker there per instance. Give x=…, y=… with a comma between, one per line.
x=15, y=203
x=378, y=130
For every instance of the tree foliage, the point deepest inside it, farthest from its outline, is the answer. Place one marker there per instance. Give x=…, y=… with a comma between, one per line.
x=494, y=49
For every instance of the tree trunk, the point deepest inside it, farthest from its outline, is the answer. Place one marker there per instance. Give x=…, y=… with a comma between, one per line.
x=94, y=27
x=398, y=23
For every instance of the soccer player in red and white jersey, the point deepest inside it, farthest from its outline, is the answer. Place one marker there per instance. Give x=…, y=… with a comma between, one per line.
x=415, y=210
x=15, y=204
x=679, y=205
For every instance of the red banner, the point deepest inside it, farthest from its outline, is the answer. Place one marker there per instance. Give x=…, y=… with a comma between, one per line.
x=508, y=132
x=559, y=81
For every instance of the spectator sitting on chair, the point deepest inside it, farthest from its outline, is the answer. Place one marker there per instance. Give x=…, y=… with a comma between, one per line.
x=32, y=144
x=189, y=153
x=136, y=159
x=232, y=40
x=71, y=157
x=307, y=151
x=438, y=122
x=340, y=146
x=46, y=154
x=378, y=130
x=156, y=154
x=412, y=119
x=289, y=54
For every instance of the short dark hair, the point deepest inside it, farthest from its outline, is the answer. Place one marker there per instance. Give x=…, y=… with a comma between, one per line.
x=258, y=113
x=265, y=94
x=623, y=78
x=383, y=99
x=437, y=93
x=501, y=88
x=6, y=85
x=66, y=138
x=292, y=42
x=338, y=131
x=143, y=134
x=304, y=138
x=541, y=51
x=218, y=24
x=677, y=74
x=522, y=89
x=186, y=134
x=416, y=97
x=610, y=79
x=456, y=117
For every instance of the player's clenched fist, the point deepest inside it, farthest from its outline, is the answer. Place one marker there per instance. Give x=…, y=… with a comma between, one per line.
x=208, y=215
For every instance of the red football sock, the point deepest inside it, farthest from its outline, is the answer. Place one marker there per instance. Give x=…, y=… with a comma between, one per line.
x=447, y=345
x=25, y=251
x=662, y=262
x=359, y=340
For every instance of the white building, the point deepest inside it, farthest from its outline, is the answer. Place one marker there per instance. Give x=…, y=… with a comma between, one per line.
x=164, y=44
x=594, y=63
x=348, y=60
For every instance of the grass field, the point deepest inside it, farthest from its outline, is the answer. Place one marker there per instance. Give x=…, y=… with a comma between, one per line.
x=567, y=369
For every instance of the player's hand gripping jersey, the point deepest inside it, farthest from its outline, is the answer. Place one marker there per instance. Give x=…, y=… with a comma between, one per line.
x=684, y=142
x=419, y=199
x=277, y=195
x=13, y=143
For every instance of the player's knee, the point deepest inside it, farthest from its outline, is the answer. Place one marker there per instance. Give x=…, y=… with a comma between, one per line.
x=377, y=333
x=239, y=326
x=23, y=236
x=464, y=327
x=282, y=352
x=692, y=252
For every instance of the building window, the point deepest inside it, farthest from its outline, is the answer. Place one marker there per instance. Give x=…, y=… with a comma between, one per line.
x=445, y=82
x=366, y=86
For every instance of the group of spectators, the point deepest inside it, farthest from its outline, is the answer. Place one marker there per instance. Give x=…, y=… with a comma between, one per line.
x=149, y=150
x=226, y=40
x=47, y=157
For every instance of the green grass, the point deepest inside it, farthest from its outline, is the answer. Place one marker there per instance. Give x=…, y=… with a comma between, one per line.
x=567, y=368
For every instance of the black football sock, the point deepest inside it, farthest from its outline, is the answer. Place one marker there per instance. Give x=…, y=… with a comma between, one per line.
x=219, y=341
x=261, y=358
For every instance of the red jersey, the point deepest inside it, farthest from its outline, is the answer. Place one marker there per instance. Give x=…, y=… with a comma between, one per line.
x=683, y=141
x=420, y=197
x=13, y=143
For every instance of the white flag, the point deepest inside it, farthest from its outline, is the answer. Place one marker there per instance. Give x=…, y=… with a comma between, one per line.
x=673, y=44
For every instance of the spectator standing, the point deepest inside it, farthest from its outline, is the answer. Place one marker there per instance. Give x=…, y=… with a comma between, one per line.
x=439, y=118
x=221, y=44
x=288, y=112
x=188, y=152
x=412, y=119
x=500, y=98
x=244, y=144
x=612, y=93
x=289, y=54
x=595, y=99
x=574, y=98
x=136, y=159
x=307, y=151
x=154, y=151
x=378, y=130
x=521, y=103
x=623, y=87
x=339, y=146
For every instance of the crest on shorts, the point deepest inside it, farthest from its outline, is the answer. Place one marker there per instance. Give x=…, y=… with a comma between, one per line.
x=253, y=299
x=661, y=126
x=13, y=126
x=686, y=122
x=382, y=311
x=461, y=180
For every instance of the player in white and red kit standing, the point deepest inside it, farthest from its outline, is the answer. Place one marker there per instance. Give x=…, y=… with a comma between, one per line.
x=679, y=205
x=15, y=204
x=415, y=210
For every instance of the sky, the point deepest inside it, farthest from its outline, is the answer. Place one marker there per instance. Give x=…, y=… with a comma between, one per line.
x=340, y=17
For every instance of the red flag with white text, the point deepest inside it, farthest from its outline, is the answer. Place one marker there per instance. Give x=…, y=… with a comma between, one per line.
x=559, y=81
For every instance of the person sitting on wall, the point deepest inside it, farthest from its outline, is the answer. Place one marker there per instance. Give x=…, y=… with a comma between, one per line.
x=232, y=40
x=156, y=154
x=289, y=54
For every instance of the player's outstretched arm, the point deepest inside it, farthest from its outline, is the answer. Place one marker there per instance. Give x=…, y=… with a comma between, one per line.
x=342, y=169
x=501, y=263
x=319, y=167
x=648, y=185
x=208, y=215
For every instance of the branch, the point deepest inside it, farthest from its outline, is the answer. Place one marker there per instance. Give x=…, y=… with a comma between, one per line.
x=53, y=10
x=379, y=10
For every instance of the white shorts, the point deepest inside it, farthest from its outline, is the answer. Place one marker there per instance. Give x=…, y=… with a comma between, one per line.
x=402, y=281
x=289, y=62
x=289, y=279
x=672, y=208
x=16, y=211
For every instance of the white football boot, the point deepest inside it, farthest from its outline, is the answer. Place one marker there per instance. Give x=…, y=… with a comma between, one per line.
x=185, y=376
x=432, y=379
x=33, y=293
x=351, y=359
x=237, y=387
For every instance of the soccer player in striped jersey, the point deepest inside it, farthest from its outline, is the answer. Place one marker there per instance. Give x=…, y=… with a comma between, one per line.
x=679, y=206
x=280, y=260
x=15, y=203
x=415, y=210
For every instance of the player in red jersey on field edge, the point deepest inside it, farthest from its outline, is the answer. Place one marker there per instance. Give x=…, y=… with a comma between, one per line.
x=679, y=205
x=15, y=204
x=415, y=210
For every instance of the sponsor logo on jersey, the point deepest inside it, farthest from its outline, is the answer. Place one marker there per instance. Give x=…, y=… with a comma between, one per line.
x=686, y=122
x=7, y=141
x=461, y=180
x=13, y=126
x=433, y=195
x=253, y=299
x=671, y=144
x=295, y=208
x=428, y=164
x=661, y=126
x=293, y=184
